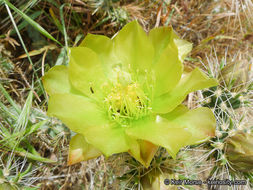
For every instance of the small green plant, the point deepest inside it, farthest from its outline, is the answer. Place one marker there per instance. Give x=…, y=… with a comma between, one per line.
x=16, y=127
x=17, y=155
x=109, y=10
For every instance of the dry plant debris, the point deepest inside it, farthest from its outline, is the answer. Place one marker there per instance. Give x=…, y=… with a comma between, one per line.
x=222, y=36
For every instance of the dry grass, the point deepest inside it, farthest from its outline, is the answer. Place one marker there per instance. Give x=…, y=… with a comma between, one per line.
x=221, y=31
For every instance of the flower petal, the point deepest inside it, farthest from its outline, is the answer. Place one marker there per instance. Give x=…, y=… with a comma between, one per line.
x=81, y=150
x=192, y=81
x=85, y=71
x=161, y=37
x=103, y=47
x=77, y=112
x=184, y=48
x=142, y=150
x=133, y=48
x=161, y=133
x=170, y=52
x=100, y=44
x=168, y=71
x=56, y=80
x=200, y=122
x=83, y=116
x=109, y=138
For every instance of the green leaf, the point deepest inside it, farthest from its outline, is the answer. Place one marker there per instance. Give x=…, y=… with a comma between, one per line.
x=81, y=150
x=56, y=21
x=133, y=48
x=85, y=71
x=23, y=117
x=31, y=129
x=77, y=112
x=200, y=122
x=10, y=100
x=56, y=80
x=32, y=22
x=22, y=152
x=160, y=132
x=24, y=23
x=192, y=81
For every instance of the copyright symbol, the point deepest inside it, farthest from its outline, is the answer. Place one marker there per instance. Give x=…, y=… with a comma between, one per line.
x=166, y=181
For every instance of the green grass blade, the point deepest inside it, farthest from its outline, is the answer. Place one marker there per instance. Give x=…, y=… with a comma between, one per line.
x=24, y=115
x=7, y=112
x=63, y=25
x=25, y=23
x=8, y=97
x=32, y=22
x=24, y=153
x=25, y=49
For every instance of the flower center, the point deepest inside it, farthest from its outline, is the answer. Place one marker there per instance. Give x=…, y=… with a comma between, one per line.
x=125, y=100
